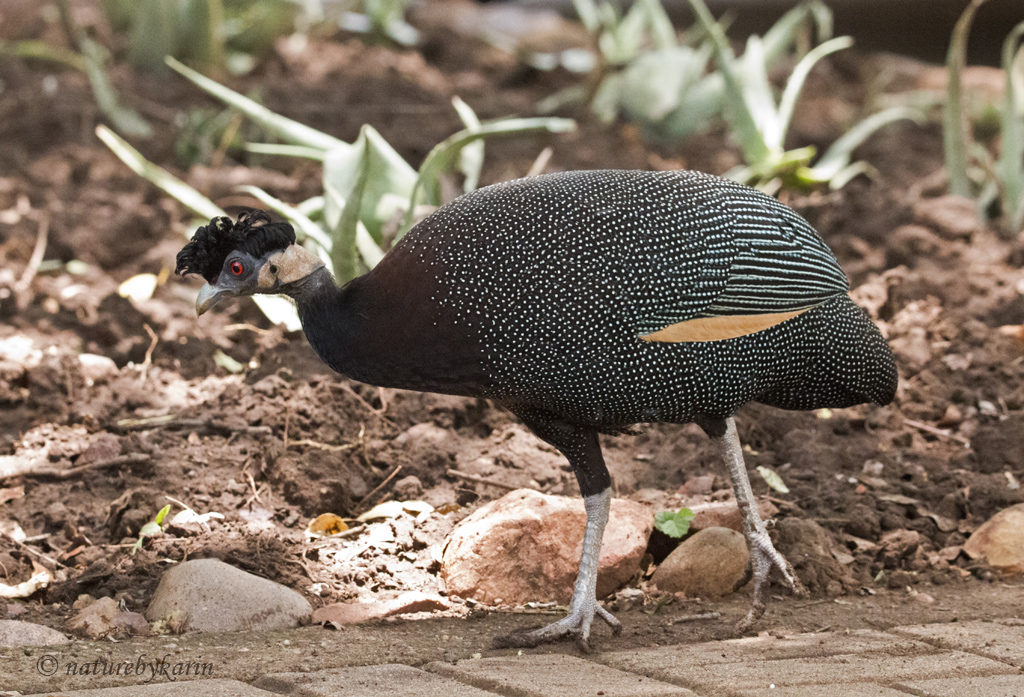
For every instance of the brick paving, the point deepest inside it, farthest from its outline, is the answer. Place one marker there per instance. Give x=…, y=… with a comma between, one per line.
x=949, y=659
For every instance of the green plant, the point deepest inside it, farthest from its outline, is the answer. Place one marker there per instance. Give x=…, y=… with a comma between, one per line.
x=381, y=18
x=760, y=123
x=972, y=168
x=370, y=194
x=675, y=524
x=215, y=34
x=154, y=527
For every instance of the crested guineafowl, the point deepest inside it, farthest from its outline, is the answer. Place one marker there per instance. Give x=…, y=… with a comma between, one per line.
x=585, y=303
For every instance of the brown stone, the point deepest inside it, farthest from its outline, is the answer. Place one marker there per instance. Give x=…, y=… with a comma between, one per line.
x=526, y=547
x=1000, y=540
x=708, y=564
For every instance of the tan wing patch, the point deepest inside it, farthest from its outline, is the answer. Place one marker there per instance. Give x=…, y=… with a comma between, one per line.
x=719, y=328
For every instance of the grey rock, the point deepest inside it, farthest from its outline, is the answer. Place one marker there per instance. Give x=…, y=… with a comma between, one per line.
x=18, y=633
x=208, y=595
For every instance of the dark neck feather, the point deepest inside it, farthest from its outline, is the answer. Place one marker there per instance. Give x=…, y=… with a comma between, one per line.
x=327, y=319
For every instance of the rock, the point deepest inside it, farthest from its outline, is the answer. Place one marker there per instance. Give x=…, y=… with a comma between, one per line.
x=18, y=633
x=104, y=619
x=707, y=564
x=408, y=488
x=812, y=551
x=725, y=514
x=208, y=595
x=339, y=614
x=526, y=547
x=951, y=217
x=1000, y=540
x=96, y=368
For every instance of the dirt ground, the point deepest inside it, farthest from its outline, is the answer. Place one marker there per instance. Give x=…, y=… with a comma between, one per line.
x=880, y=500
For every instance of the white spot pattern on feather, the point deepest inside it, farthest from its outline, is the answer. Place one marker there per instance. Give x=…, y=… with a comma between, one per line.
x=560, y=275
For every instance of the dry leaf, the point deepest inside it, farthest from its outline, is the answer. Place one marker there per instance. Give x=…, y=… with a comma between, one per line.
x=325, y=525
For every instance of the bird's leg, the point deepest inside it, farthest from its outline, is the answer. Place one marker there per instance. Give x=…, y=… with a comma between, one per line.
x=763, y=555
x=583, y=606
x=584, y=453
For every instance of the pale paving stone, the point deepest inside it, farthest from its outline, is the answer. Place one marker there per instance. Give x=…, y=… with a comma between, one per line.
x=769, y=647
x=674, y=665
x=992, y=639
x=860, y=689
x=993, y=686
x=368, y=681
x=554, y=675
x=183, y=688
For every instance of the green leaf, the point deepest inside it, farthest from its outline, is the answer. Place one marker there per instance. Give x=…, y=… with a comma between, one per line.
x=737, y=109
x=226, y=362
x=125, y=119
x=443, y=155
x=795, y=83
x=283, y=127
x=149, y=529
x=364, y=175
x=159, y=177
x=279, y=309
x=284, y=150
x=675, y=524
x=840, y=153
x=1009, y=168
x=955, y=136
x=471, y=159
x=161, y=514
x=772, y=479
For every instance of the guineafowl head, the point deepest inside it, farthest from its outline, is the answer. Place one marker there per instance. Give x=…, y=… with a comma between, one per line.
x=243, y=257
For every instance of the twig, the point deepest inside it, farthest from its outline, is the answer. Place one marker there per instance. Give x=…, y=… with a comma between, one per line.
x=376, y=489
x=153, y=338
x=70, y=472
x=27, y=276
x=322, y=446
x=173, y=422
x=696, y=617
x=249, y=328
x=36, y=552
x=940, y=432
x=345, y=388
x=480, y=480
x=255, y=492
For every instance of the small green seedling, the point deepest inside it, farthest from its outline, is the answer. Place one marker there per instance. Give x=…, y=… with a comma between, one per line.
x=153, y=527
x=675, y=524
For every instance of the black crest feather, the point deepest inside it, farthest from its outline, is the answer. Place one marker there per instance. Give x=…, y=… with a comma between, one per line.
x=252, y=233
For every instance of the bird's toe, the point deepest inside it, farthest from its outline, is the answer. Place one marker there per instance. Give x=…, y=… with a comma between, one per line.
x=575, y=625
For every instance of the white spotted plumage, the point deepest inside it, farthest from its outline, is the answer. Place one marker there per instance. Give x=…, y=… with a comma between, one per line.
x=560, y=275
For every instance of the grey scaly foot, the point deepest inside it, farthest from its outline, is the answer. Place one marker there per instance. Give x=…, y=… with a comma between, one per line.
x=763, y=555
x=575, y=625
x=583, y=607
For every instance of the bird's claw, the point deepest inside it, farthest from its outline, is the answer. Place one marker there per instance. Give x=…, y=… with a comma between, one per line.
x=575, y=625
x=763, y=558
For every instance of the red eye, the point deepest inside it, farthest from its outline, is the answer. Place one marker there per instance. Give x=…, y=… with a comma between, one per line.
x=237, y=268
